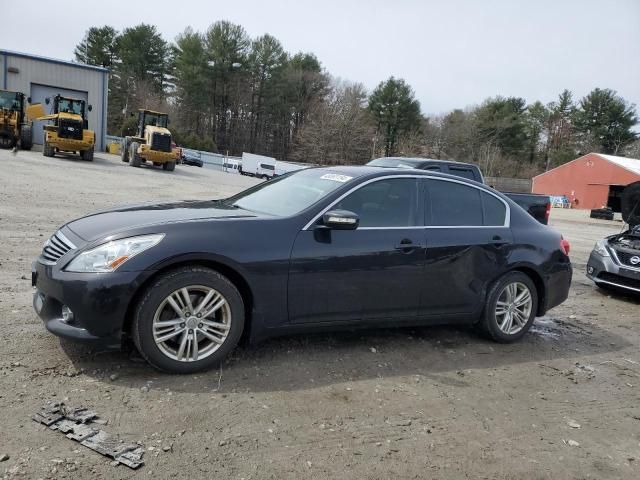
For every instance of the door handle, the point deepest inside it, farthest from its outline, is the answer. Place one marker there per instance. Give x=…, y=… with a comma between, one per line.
x=406, y=246
x=498, y=240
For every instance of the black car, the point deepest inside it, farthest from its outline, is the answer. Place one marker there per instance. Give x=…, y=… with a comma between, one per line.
x=538, y=206
x=321, y=248
x=189, y=158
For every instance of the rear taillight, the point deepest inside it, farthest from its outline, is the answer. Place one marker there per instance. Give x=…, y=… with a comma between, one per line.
x=564, y=246
x=547, y=213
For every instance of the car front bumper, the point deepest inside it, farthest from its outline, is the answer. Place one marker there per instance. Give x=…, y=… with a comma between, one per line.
x=605, y=271
x=99, y=302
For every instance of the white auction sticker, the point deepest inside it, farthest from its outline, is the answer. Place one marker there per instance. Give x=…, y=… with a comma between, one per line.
x=335, y=177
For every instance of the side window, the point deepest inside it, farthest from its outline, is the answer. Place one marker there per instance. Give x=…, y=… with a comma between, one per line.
x=453, y=204
x=385, y=203
x=494, y=210
x=463, y=172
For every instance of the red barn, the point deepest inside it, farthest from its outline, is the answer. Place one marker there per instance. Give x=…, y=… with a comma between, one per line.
x=591, y=181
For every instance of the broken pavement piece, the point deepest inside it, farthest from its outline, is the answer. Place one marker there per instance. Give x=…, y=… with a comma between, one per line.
x=75, y=424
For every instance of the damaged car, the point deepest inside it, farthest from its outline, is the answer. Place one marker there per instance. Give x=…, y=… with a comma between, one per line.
x=614, y=262
x=316, y=249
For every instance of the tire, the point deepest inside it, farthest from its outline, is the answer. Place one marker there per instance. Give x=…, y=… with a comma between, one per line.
x=169, y=166
x=134, y=158
x=87, y=155
x=48, y=150
x=26, y=137
x=153, y=307
x=124, y=151
x=494, y=324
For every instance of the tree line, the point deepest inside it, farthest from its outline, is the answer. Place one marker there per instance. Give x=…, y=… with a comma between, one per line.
x=228, y=92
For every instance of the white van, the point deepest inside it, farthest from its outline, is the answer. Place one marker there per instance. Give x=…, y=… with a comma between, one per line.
x=231, y=166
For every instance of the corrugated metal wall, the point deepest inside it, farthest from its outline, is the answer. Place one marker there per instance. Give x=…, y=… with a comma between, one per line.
x=19, y=72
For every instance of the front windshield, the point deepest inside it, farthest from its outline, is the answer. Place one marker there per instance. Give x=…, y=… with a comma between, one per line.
x=67, y=105
x=155, y=120
x=290, y=194
x=9, y=101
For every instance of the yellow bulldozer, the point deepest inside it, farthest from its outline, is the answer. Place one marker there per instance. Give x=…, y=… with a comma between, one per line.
x=15, y=122
x=151, y=143
x=69, y=132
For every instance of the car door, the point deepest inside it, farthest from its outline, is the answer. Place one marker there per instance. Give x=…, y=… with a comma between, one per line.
x=468, y=241
x=372, y=272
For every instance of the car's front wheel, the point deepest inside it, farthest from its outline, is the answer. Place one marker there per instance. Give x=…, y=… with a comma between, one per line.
x=511, y=307
x=188, y=320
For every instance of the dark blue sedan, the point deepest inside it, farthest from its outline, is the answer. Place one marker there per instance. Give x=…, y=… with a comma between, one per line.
x=322, y=248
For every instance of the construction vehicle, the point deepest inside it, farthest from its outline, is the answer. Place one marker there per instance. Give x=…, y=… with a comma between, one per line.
x=152, y=142
x=15, y=122
x=69, y=132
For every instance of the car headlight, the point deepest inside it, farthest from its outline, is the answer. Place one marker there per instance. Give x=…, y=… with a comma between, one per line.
x=601, y=248
x=109, y=256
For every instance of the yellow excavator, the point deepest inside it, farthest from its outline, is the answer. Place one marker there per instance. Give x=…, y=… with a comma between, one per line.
x=69, y=132
x=151, y=143
x=15, y=121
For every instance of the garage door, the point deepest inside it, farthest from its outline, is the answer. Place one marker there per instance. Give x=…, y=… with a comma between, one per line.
x=38, y=95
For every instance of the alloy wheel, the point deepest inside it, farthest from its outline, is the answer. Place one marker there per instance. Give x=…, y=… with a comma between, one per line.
x=513, y=307
x=191, y=323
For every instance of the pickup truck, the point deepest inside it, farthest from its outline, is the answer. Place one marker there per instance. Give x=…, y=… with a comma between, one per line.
x=538, y=206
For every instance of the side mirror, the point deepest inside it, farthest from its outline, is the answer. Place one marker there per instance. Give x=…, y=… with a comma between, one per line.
x=341, y=220
x=47, y=100
x=29, y=99
x=90, y=107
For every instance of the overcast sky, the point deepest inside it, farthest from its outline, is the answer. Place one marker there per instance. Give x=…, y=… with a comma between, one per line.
x=454, y=53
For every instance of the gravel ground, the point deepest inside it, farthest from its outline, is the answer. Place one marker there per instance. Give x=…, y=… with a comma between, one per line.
x=407, y=403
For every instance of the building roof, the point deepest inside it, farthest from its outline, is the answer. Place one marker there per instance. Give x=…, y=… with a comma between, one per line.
x=11, y=53
x=630, y=164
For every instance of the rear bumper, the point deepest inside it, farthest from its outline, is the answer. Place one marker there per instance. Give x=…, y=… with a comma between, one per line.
x=605, y=271
x=99, y=302
x=558, y=285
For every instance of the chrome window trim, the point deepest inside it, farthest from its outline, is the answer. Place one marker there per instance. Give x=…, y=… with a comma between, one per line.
x=507, y=216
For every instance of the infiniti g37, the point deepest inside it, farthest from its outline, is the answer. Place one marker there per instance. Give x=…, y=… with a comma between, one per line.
x=321, y=248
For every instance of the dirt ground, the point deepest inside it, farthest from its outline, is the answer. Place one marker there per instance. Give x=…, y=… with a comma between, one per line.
x=437, y=403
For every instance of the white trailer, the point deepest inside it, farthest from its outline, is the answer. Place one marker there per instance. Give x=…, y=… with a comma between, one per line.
x=258, y=165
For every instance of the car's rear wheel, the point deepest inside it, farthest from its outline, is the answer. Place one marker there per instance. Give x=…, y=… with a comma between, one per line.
x=511, y=307
x=188, y=320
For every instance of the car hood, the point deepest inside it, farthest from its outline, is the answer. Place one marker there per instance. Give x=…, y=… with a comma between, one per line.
x=631, y=204
x=109, y=222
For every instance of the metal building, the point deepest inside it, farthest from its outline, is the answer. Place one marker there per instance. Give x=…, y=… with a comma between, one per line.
x=41, y=77
x=594, y=180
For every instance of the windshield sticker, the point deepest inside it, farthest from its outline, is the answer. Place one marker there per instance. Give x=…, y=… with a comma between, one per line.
x=335, y=177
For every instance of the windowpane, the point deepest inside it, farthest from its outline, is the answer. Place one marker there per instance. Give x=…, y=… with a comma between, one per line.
x=385, y=203
x=494, y=210
x=454, y=204
x=462, y=172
